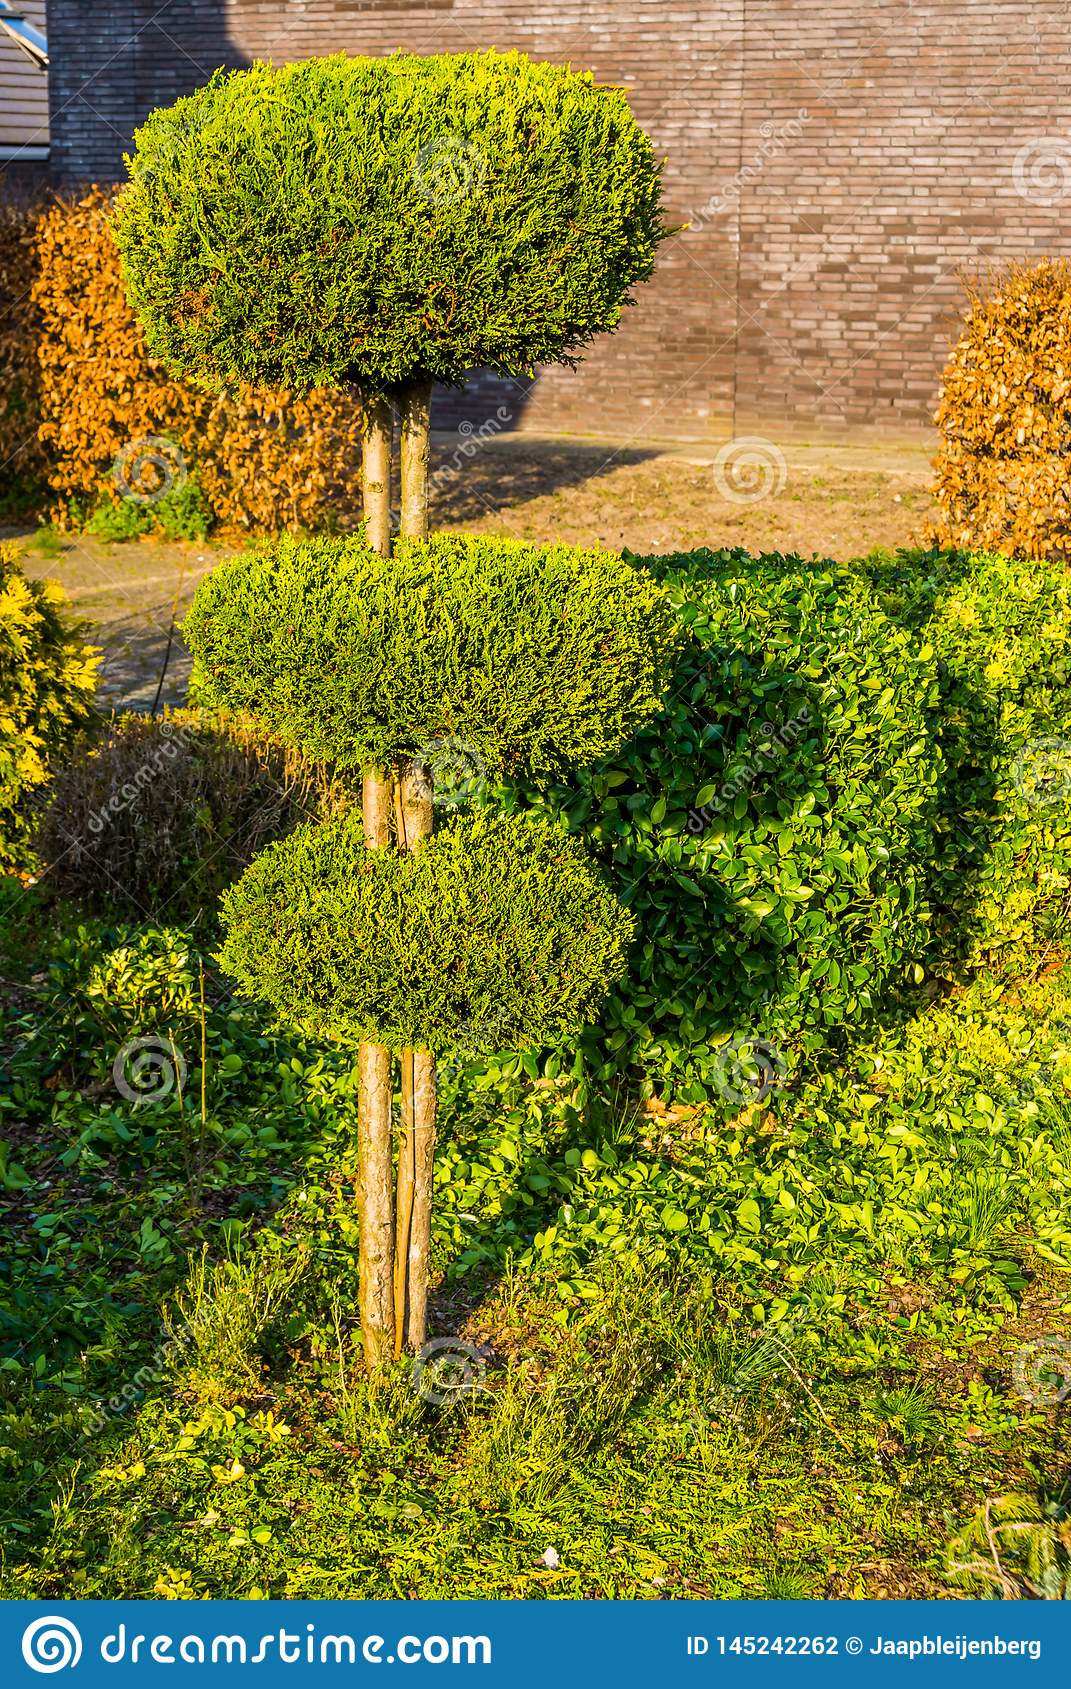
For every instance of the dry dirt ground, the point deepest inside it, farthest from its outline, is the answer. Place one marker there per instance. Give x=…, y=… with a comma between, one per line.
x=834, y=501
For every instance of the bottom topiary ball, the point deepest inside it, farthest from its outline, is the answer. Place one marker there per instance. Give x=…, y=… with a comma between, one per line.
x=498, y=934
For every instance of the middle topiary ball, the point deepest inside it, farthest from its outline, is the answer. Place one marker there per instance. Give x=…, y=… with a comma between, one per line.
x=533, y=658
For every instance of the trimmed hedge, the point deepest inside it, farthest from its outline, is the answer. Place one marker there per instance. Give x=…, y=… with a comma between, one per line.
x=47, y=679
x=496, y=933
x=1000, y=630
x=377, y=219
x=771, y=830
x=1003, y=478
x=519, y=657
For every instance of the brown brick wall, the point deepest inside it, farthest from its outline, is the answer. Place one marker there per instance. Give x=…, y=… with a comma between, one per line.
x=840, y=162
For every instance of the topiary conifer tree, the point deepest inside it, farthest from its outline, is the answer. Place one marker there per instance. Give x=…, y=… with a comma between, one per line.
x=494, y=929
x=387, y=223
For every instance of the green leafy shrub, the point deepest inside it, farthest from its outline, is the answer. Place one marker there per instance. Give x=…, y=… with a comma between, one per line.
x=163, y=812
x=1000, y=629
x=526, y=657
x=47, y=680
x=183, y=513
x=378, y=219
x=771, y=829
x=521, y=934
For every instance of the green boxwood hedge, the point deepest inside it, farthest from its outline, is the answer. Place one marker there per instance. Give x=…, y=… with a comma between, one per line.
x=771, y=830
x=1000, y=631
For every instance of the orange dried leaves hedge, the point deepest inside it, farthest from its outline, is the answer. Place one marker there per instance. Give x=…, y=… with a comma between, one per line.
x=77, y=387
x=1004, y=463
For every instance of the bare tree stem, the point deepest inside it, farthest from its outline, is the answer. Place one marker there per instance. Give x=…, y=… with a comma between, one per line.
x=414, y=407
x=376, y=1081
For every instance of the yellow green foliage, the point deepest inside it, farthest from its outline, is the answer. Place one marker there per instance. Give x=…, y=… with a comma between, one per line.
x=47, y=678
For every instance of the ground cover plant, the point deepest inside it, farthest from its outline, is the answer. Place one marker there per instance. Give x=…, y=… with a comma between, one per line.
x=825, y=1388
x=805, y=1340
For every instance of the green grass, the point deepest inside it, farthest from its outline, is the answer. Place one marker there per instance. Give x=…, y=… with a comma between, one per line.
x=770, y=1355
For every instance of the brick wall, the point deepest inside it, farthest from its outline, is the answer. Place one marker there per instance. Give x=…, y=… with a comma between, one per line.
x=840, y=163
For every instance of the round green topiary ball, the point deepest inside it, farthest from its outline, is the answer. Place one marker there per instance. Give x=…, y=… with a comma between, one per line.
x=496, y=934
x=374, y=220
x=500, y=656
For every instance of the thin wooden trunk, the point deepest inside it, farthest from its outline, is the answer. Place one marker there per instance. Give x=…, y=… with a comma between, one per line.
x=414, y=818
x=376, y=1082
x=415, y=821
x=414, y=405
x=377, y=437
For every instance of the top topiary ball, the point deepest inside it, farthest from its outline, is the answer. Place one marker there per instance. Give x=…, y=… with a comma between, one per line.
x=377, y=220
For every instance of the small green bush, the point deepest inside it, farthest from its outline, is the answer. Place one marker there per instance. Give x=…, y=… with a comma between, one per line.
x=527, y=658
x=371, y=220
x=181, y=514
x=495, y=933
x=771, y=829
x=47, y=680
x=1000, y=630
x=162, y=813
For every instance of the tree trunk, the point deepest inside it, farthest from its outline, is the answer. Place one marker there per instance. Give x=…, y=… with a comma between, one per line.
x=377, y=438
x=414, y=815
x=415, y=819
x=414, y=404
x=376, y=1086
